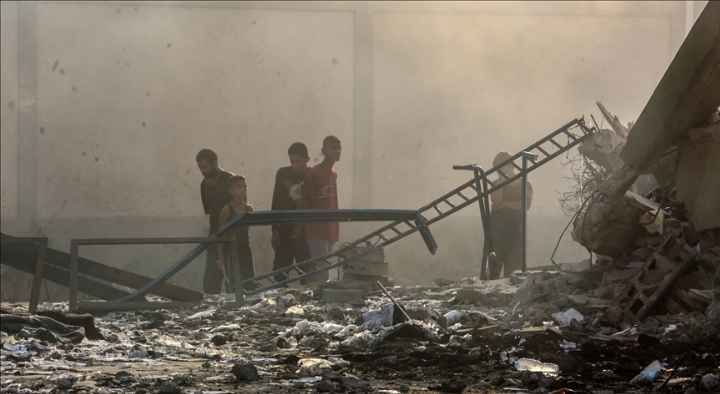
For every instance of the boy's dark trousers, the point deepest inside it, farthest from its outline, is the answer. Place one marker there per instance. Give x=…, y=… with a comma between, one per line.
x=247, y=269
x=213, y=277
x=288, y=251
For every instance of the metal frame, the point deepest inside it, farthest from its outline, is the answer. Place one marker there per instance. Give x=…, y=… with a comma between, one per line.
x=39, y=266
x=114, y=305
x=259, y=218
x=489, y=268
x=526, y=156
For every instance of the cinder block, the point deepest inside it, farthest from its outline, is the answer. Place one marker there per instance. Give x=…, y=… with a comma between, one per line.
x=385, y=281
x=366, y=268
x=341, y=296
x=377, y=256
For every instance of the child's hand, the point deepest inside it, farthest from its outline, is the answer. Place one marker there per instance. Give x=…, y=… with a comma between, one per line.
x=221, y=264
x=275, y=240
x=298, y=232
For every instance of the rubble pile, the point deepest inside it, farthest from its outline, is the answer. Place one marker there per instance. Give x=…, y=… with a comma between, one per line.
x=537, y=331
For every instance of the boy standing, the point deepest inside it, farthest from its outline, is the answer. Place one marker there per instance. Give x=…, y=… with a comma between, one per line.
x=214, y=194
x=286, y=196
x=238, y=189
x=319, y=191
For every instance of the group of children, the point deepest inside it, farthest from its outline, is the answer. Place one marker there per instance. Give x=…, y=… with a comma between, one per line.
x=224, y=196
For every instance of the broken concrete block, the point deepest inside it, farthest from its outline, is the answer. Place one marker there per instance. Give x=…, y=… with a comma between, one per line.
x=470, y=295
x=620, y=276
x=579, y=300
x=682, y=297
x=376, y=256
x=368, y=278
x=332, y=296
x=517, y=277
x=524, y=295
x=366, y=268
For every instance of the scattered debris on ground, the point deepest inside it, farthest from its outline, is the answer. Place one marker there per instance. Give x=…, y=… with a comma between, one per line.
x=538, y=331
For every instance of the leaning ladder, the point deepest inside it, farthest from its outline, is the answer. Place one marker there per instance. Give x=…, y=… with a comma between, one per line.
x=470, y=192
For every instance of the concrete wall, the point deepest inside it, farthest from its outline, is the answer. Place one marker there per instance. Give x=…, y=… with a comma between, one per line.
x=697, y=184
x=9, y=112
x=125, y=94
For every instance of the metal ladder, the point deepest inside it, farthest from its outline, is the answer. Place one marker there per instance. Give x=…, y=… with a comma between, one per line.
x=470, y=192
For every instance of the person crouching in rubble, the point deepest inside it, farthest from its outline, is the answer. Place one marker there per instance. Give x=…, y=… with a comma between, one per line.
x=505, y=218
x=238, y=187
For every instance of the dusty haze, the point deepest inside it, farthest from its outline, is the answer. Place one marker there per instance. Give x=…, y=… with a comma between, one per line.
x=127, y=93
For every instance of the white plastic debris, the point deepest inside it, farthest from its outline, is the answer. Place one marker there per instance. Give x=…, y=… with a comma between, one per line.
x=564, y=318
x=332, y=327
x=568, y=345
x=303, y=327
x=528, y=364
x=314, y=367
x=202, y=315
x=648, y=374
x=382, y=316
x=363, y=340
x=229, y=327
x=670, y=328
x=295, y=310
x=348, y=330
x=451, y=317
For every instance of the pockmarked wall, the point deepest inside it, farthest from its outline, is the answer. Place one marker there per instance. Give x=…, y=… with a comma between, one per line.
x=8, y=111
x=128, y=93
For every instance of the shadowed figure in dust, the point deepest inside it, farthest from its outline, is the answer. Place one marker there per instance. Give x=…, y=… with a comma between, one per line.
x=505, y=218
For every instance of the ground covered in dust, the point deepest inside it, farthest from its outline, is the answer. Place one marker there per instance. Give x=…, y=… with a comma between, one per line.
x=466, y=336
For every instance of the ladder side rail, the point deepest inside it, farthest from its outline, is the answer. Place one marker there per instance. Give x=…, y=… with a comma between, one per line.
x=344, y=260
x=359, y=242
x=255, y=219
x=564, y=129
x=537, y=164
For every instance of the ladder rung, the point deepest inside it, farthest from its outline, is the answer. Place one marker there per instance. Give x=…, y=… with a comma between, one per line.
x=569, y=134
x=382, y=237
x=412, y=226
x=542, y=150
x=555, y=143
x=437, y=209
x=462, y=196
x=449, y=203
x=517, y=167
x=475, y=188
x=396, y=230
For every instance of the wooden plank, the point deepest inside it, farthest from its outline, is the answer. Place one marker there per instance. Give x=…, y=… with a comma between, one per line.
x=58, y=275
x=704, y=296
x=137, y=305
x=107, y=273
x=682, y=297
